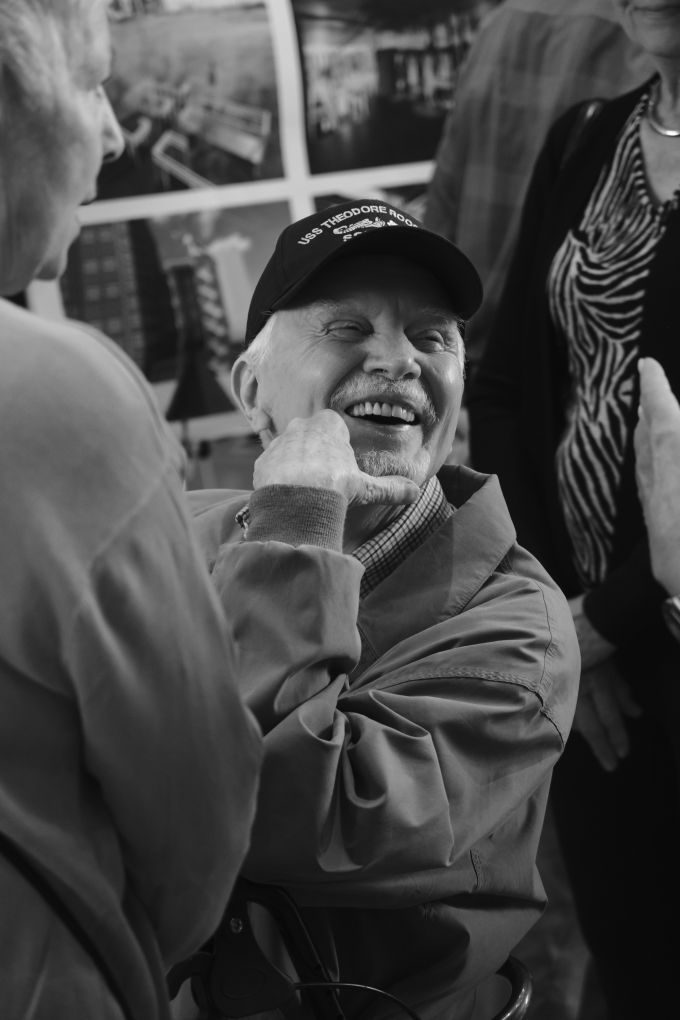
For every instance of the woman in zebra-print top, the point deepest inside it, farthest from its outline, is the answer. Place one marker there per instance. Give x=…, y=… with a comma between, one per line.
x=594, y=286
x=596, y=290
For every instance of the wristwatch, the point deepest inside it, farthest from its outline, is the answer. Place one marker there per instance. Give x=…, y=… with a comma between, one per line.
x=671, y=614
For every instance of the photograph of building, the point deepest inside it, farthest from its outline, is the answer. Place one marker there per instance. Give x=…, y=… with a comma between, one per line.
x=379, y=77
x=193, y=86
x=159, y=286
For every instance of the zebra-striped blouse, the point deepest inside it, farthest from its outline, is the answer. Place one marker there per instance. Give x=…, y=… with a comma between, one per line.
x=596, y=288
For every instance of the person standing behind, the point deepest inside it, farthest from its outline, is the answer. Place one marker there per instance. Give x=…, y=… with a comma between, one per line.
x=657, y=467
x=531, y=61
x=128, y=764
x=657, y=464
x=592, y=288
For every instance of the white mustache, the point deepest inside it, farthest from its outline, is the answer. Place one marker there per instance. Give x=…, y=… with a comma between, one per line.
x=357, y=390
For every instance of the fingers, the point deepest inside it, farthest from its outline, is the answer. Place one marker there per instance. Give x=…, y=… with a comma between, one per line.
x=594, y=647
x=643, y=454
x=588, y=724
x=316, y=452
x=330, y=421
x=605, y=701
x=386, y=489
x=657, y=402
x=629, y=705
x=611, y=718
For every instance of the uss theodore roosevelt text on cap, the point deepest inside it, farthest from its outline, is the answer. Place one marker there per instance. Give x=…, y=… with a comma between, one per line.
x=351, y=228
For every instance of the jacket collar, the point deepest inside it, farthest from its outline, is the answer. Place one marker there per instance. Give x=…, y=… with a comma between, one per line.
x=434, y=583
x=440, y=578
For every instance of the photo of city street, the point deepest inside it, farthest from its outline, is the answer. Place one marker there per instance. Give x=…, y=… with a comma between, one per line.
x=379, y=77
x=193, y=85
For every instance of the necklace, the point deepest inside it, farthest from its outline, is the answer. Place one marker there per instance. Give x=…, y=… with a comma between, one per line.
x=652, y=102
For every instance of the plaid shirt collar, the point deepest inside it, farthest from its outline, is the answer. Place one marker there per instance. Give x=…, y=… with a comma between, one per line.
x=383, y=553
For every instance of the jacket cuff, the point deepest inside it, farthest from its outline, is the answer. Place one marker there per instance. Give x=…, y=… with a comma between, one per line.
x=297, y=515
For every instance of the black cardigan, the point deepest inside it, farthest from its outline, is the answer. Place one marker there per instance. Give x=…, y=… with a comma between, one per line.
x=517, y=399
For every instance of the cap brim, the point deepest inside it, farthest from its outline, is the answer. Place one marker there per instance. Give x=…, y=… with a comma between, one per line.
x=446, y=262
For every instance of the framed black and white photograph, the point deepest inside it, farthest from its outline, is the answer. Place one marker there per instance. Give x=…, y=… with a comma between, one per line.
x=194, y=88
x=408, y=197
x=379, y=76
x=163, y=285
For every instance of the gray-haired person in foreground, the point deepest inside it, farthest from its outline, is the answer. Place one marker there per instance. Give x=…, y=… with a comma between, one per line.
x=128, y=765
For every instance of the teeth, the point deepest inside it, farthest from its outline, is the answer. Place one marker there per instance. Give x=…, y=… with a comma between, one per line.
x=367, y=407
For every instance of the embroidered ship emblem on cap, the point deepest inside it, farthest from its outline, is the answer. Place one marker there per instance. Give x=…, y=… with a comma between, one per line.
x=350, y=230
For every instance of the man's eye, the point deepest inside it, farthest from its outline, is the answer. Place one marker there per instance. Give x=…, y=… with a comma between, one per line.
x=431, y=340
x=348, y=326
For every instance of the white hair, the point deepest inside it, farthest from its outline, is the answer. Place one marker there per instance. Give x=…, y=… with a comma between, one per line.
x=39, y=42
x=261, y=344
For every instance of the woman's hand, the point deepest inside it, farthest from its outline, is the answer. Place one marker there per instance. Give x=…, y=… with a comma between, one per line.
x=604, y=704
x=605, y=700
x=594, y=648
x=657, y=451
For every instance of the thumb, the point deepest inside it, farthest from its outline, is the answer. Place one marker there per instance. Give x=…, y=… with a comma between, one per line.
x=386, y=489
x=656, y=396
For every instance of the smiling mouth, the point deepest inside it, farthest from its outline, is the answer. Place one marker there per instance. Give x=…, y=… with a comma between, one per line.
x=380, y=413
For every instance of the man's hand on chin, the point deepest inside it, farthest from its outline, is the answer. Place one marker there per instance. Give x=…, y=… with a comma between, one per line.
x=316, y=452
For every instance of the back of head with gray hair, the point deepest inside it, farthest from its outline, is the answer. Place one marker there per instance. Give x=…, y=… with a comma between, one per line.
x=39, y=42
x=45, y=51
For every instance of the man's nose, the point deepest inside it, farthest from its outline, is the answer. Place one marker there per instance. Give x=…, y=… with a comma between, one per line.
x=392, y=355
x=112, y=135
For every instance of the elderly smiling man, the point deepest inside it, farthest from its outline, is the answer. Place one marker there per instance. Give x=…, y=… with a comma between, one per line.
x=413, y=670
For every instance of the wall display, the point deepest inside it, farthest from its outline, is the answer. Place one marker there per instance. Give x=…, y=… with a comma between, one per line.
x=193, y=86
x=239, y=117
x=159, y=285
x=409, y=197
x=379, y=77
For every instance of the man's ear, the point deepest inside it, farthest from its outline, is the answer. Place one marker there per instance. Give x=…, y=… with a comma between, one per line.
x=245, y=387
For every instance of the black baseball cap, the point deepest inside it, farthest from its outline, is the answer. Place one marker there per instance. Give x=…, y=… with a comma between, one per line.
x=350, y=228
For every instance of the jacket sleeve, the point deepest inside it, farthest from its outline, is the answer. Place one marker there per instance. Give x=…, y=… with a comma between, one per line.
x=497, y=392
x=167, y=738
x=369, y=787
